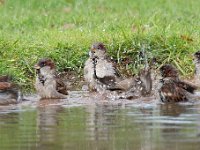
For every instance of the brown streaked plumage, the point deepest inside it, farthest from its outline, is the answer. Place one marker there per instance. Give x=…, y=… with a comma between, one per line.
x=5, y=85
x=47, y=84
x=196, y=61
x=99, y=71
x=9, y=92
x=173, y=89
x=137, y=86
x=142, y=82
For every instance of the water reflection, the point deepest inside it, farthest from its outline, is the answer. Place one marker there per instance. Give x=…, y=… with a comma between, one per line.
x=99, y=119
x=108, y=128
x=17, y=128
x=47, y=126
x=101, y=126
x=173, y=124
x=173, y=110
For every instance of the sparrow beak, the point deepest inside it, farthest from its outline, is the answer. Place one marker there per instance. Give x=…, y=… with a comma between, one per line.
x=37, y=67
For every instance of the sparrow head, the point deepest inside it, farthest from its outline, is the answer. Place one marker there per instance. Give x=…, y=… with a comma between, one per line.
x=44, y=65
x=97, y=50
x=168, y=70
x=197, y=57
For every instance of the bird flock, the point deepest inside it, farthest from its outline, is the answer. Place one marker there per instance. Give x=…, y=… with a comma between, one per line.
x=101, y=76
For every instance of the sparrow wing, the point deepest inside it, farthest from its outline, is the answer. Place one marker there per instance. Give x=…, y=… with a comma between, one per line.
x=172, y=92
x=124, y=85
x=61, y=87
x=5, y=85
x=106, y=76
x=107, y=80
x=187, y=86
x=114, y=64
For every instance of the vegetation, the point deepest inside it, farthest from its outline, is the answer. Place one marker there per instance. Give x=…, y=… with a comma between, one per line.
x=64, y=30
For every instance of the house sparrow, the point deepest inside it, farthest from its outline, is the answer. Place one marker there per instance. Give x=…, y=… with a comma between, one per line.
x=99, y=70
x=47, y=84
x=9, y=92
x=196, y=61
x=172, y=88
x=142, y=82
x=137, y=86
x=101, y=73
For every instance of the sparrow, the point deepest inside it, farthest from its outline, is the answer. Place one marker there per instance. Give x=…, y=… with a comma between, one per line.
x=142, y=83
x=137, y=86
x=99, y=70
x=101, y=73
x=48, y=85
x=196, y=61
x=9, y=92
x=172, y=88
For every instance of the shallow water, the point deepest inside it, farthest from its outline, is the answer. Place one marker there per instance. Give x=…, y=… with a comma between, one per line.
x=83, y=122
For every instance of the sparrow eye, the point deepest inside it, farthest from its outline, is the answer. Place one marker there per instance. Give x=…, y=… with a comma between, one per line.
x=43, y=64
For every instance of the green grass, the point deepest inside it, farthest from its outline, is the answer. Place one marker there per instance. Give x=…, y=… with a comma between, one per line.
x=65, y=29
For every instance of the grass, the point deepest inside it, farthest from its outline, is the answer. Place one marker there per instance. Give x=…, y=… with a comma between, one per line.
x=64, y=30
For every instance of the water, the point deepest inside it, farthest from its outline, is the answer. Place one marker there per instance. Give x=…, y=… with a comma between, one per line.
x=100, y=125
